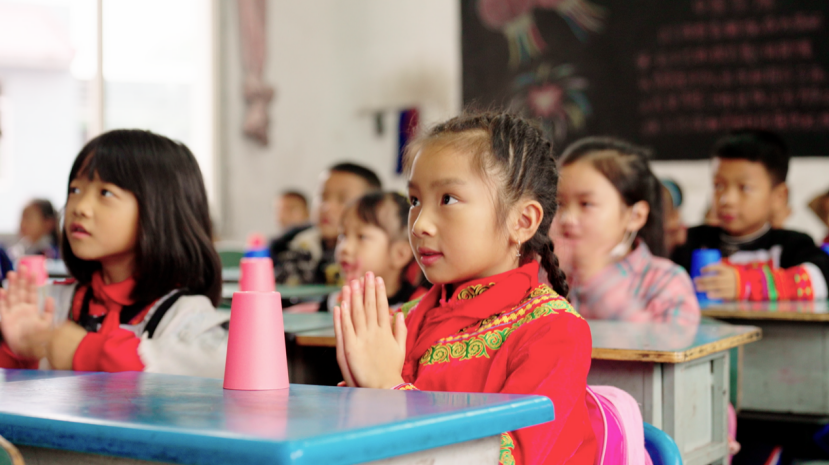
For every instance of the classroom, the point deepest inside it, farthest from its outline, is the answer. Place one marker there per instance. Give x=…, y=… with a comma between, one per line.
x=582, y=232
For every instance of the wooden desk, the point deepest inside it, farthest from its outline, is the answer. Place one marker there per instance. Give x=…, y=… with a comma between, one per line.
x=782, y=311
x=231, y=274
x=104, y=418
x=298, y=323
x=310, y=365
x=295, y=323
x=637, y=342
x=679, y=375
x=788, y=371
x=300, y=293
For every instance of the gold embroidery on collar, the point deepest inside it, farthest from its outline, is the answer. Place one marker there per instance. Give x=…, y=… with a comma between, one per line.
x=492, y=333
x=473, y=291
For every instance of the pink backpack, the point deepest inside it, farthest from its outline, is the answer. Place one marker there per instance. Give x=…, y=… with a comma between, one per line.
x=617, y=423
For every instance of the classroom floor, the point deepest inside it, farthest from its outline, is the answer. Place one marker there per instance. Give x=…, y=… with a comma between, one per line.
x=759, y=437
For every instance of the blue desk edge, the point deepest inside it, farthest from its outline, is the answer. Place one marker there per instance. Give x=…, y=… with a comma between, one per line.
x=353, y=446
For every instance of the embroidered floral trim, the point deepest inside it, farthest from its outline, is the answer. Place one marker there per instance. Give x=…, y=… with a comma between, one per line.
x=492, y=332
x=474, y=291
x=541, y=290
x=507, y=445
x=405, y=387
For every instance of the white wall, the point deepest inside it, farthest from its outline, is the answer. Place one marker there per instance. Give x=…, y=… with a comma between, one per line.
x=40, y=141
x=333, y=64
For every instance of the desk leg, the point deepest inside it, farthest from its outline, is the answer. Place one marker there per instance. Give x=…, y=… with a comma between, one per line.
x=736, y=377
x=694, y=407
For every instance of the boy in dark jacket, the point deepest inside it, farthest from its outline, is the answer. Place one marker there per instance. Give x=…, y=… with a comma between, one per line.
x=760, y=263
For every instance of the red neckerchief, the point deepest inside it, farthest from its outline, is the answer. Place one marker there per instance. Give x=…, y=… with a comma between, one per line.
x=435, y=318
x=108, y=297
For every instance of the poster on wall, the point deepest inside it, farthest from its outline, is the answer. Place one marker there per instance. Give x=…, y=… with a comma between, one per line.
x=673, y=75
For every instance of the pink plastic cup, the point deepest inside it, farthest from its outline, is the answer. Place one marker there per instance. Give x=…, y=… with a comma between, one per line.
x=36, y=266
x=257, y=275
x=256, y=359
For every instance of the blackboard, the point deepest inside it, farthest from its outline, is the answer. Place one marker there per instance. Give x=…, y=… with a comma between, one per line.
x=670, y=74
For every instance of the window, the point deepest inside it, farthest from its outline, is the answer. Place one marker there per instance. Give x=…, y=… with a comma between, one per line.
x=157, y=74
x=158, y=71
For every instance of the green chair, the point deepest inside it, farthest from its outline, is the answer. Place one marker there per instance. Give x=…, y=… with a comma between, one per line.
x=9, y=455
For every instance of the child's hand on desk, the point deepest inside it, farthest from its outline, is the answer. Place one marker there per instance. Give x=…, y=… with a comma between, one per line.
x=718, y=282
x=25, y=329
x=62, y=346
x=369, y=353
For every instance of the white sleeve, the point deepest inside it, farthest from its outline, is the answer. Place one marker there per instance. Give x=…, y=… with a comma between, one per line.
x=819, y=288
x=63, y=294
x=189, y=340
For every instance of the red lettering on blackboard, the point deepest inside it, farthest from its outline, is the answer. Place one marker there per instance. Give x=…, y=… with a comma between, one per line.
x=738, y=63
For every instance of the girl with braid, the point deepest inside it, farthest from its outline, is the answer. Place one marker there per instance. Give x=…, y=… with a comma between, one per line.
x=482, y=190
x=610, y=230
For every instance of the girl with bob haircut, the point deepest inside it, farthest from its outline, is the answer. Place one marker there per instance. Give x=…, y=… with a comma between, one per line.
x=146, y=278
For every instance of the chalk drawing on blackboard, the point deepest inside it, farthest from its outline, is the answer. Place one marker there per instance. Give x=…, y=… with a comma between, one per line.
x=554, y=96
x=514, y=18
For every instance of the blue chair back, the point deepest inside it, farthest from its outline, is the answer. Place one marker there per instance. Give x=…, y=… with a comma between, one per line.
x=661, y=447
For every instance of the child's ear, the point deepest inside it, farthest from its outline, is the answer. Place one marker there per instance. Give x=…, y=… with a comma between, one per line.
x=638, y=215
x=780, y=210
x=529, y=215
x=401, y=254
x=780, y=195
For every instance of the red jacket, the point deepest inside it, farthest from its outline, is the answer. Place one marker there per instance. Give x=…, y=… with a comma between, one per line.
x=110, y=349
x=533, y=344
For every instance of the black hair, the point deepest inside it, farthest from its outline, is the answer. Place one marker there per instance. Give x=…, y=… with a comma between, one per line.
x=626, y=166
x=49, y=213
x=519, y=159
x=369, y=206
x=297, y=195
x=367, y=175
x=756, y=145
x=370, y=209
x=174, y=247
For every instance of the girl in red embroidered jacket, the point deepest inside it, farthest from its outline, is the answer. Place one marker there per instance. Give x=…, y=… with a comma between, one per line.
x=137, y=240
x=482, y=190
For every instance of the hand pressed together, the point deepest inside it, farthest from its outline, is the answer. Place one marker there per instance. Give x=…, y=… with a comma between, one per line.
x=369, y=351
x=25, y=329
x=718, y=282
